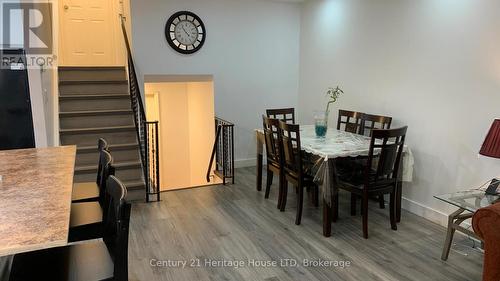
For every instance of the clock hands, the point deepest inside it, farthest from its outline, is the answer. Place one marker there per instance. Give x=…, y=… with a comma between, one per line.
x=183, y=28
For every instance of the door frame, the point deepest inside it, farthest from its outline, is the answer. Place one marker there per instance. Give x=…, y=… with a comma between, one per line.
x=119, y=8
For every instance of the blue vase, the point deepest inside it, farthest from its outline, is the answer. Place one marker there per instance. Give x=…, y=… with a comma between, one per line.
x=321, y=123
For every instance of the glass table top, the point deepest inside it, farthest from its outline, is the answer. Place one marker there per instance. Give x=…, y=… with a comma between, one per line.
x=470, y=200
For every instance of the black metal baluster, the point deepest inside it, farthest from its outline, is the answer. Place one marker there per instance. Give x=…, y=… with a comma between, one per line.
x=147, y=132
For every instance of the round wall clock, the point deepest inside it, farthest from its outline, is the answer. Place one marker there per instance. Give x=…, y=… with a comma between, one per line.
x=185, y=32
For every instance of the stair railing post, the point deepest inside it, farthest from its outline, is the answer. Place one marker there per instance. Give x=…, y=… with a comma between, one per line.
x=232, y=153
x=224, y=153
x=157, y=162
x=217, y=145
x=146, y=141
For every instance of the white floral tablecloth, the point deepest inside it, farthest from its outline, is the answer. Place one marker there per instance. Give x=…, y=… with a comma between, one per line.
x=337, y=144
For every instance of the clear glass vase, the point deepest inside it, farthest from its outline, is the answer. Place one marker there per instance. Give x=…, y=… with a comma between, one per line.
x=321, y=123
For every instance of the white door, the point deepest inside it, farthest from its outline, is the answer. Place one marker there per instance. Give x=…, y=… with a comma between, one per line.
x=87, y=35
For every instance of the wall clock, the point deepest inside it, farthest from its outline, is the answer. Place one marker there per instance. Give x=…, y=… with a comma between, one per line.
x=185, y=32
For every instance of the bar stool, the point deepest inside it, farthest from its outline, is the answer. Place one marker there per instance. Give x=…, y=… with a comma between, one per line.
x=86, y=219
x=89, y=191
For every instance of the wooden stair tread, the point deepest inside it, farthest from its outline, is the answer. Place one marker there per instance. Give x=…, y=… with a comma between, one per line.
x=134, y=184
x=94, y=96
x=93, y=82
x=112, y=146
x=89, y=68
x=100, y=129
x=118, y=165
x=95, y=112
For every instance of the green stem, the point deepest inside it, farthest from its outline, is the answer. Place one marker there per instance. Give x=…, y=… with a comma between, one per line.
x=328, y=107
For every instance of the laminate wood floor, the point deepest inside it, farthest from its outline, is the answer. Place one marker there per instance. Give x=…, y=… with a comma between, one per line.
x=236, y=224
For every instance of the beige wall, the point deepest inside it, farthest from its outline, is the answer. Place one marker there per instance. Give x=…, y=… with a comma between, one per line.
x=186, y=115
x=201, y=128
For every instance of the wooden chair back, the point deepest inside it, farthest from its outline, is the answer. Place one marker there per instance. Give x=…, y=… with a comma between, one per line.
x=285, y=114
x=369, y=122
x=350, y=121
x=107, y=170
x=116, y=227
x=271, y=135
x=292, y=153
x=386, y=146
x=102, y=145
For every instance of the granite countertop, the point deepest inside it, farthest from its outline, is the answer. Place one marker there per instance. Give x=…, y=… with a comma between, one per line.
x=35, y=198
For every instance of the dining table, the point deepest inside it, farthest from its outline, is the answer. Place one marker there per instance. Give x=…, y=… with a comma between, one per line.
x=336, y=144
x=35, y=198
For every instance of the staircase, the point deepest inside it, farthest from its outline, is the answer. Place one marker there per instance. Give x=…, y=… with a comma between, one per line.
x=94, y=102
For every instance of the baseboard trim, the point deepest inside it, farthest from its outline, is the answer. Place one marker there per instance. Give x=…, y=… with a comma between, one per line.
x=431, y=214
x=424, y=211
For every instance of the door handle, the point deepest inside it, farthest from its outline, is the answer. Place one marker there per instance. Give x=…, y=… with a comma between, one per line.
x=66, y=7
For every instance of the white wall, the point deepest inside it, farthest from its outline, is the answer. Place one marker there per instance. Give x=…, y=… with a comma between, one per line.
x=432, y=65
x=252, y=51
x=38, y=106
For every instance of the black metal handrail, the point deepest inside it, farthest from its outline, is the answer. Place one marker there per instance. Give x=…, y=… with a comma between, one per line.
x=147, y=132
x=223, y=151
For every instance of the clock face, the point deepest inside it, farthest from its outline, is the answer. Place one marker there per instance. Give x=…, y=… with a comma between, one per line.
x=185, y=32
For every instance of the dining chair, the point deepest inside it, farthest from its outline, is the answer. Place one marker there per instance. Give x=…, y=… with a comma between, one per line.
x=386, y=148
x=369, y=122
x=89, y=191
x=294, y=168
x=86, y=218
x=274, y=155
x=285, y=114
x=349, y=121
x=105, y=259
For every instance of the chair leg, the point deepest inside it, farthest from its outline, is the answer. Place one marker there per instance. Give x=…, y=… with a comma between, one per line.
x=269, y=182
x=381, y=201
x=392, y=211
x=280, y=190
x=300, y=203
x=353, y=204
x=316, y=196
x=364, y=205
x=284, y=196
x=335, y=207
